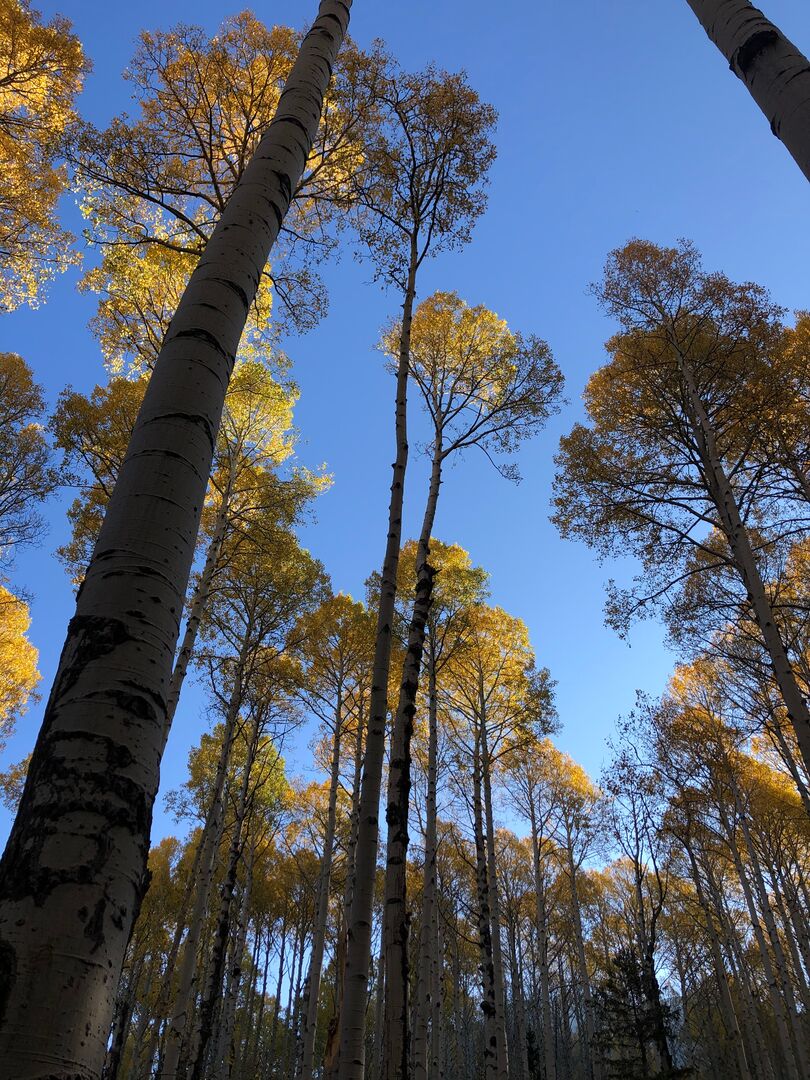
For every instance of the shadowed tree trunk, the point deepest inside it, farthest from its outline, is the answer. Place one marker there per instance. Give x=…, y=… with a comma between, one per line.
x=309, y=1008
x=395, y=913
x=425, y=1005
x=73, y=872
x=358, y=944
x=775, y=72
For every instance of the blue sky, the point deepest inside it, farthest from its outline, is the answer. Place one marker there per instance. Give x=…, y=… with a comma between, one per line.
x=617, y=119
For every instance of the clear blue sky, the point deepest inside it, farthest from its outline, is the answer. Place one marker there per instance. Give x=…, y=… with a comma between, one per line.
x=617, y=118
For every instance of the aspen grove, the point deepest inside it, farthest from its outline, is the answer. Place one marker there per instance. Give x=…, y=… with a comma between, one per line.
x=500, y=774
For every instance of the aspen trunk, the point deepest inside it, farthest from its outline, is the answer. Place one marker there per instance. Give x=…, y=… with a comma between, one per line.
x=209, y=847
x=584, y=977
x=777, y=1000
x=204, y=1024
x=776, y=73
x=331, y=1061
x=73, y=870
x=395, y=913
x=739, y=542
x=494, y=902
x=492, y=1033
x=726, y=1003
x=123, y=1016
x=226, y=1048
x=542, y=940
x=313, y=982
x=197, y=609
x=429, y=925
x=358, y=944
x=277, y=1000
x=436, y=1066
x=799, y=1044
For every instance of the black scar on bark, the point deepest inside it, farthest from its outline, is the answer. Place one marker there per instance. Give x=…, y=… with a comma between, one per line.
x=744, y=57
x=8, y=974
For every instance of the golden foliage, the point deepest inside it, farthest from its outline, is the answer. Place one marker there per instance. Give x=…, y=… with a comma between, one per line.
x=42, y=68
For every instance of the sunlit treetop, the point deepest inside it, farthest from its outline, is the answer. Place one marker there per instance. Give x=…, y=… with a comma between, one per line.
x=481, y=383
x=209, y=99
x=42, y=68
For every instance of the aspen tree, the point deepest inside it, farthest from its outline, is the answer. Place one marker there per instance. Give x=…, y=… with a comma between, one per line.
x=73, y=872
x=419, y=191
x=667, y=465
x=483, y=386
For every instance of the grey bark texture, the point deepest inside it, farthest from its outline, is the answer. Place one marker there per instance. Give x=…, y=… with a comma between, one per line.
x=776, y=73
x=74, y=868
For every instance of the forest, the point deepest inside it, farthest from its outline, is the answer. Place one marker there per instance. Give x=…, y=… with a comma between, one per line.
x=287, y=801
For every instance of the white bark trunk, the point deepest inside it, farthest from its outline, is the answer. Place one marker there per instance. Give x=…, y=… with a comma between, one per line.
x=358, y=945
x=775, y=72
x=312, y=986
x=736, y=533
x=74, y=867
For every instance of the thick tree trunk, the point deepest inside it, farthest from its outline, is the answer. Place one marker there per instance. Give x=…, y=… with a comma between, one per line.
x=395, y=911
x=358, y=944
x=74, y=868
x=429, y=925
x=739, y=542
x=313, y=982
x=775, y=72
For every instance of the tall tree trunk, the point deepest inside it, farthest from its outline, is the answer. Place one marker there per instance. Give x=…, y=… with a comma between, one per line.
x=541, y=920
x=775, y=72
x=204, y=1023
x=358, y=945
x=332, y=1057
x=776, y=998
x=739, y=542
x=189, y=973
x=492, y=1033
x=429, y=925
x=226, y=1048
x=726, y=1003
x=197, y=607
x=73, y=871
x=494, y=899
x=273, y=1055
x=123, y=1016
x=436, y=1060
x=395, y=911
x=313, y=982
x=582, y=963
x=780, y=960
